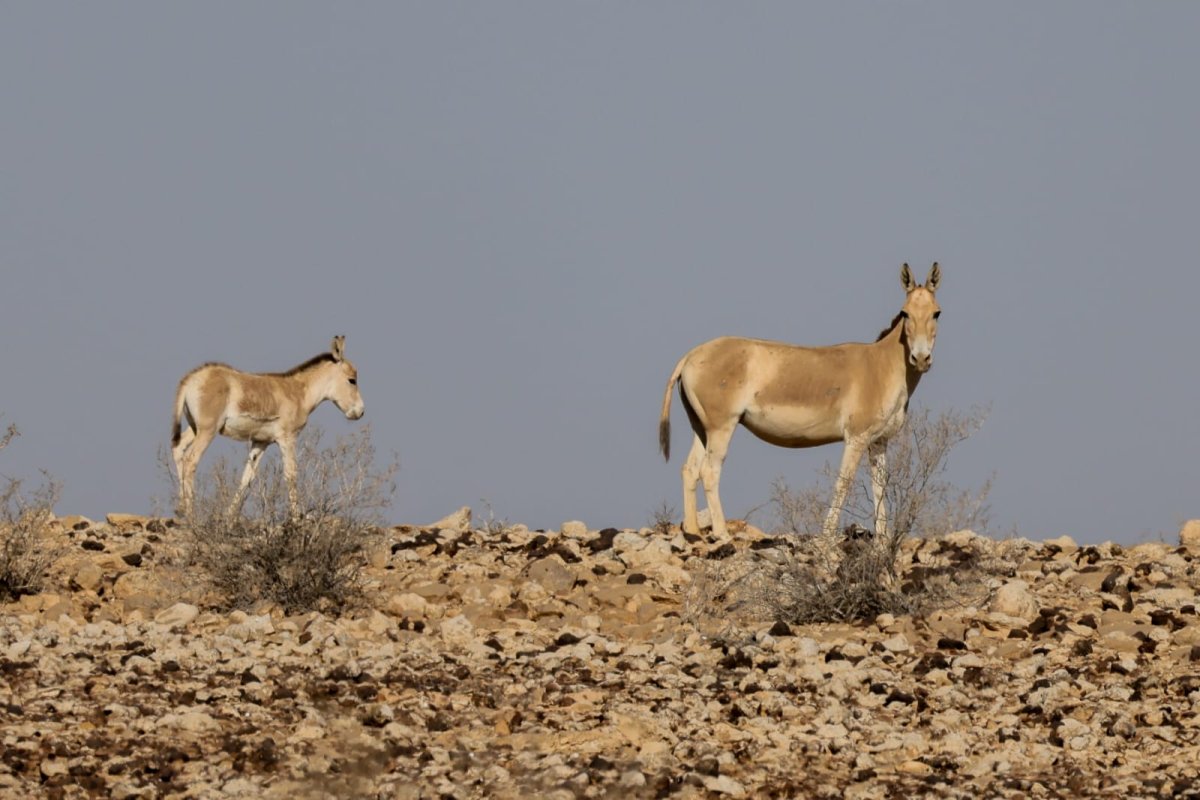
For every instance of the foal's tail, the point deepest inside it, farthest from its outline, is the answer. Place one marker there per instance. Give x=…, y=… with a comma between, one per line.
x=664, y=421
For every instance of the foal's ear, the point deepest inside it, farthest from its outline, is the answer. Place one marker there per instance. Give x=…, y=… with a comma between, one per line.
x=906, y=279
x=337, y=348
x=935, y=277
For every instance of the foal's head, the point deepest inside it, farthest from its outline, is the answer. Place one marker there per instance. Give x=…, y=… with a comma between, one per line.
x=920, y=315
x=342, y=381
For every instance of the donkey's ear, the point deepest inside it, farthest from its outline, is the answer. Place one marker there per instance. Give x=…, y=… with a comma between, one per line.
x=935, y=277
x=337, y=348
x=906, y=279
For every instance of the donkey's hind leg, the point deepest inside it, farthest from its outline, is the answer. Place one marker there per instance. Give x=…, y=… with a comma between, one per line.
x=691, y=477
x=710, y=473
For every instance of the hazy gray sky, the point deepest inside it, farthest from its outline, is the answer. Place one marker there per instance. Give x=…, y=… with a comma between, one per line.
x=522, y=214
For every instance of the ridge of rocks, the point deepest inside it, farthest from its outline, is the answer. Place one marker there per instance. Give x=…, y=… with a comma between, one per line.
x=505, y=662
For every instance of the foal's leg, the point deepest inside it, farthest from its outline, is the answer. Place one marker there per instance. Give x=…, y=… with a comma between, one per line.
x=189, y=460
x=877, y=453
x=186, y=435
x=691, y=476
x=256, y=451
x=851, y=457
x=710, y=473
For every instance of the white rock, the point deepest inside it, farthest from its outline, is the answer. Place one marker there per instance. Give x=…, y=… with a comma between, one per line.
x=1189, y=534
x=190, y=721
x=1015, y=600
x=408, y=604
x=574, y=529
x=457, y=631
x=458, y=521
x=626, y=541
x=723, y=784
x=177, y=616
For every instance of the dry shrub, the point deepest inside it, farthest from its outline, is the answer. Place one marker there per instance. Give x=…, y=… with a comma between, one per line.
x=662, y=519
x=26, y=540
x=490, y=524
x=861, y=580
x=309, y=560
x=721, y=600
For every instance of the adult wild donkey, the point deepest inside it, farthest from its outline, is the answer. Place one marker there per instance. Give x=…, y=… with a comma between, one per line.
x=795, y=396
x=257, y=408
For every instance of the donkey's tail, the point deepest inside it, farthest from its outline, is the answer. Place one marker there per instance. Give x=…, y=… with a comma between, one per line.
x=664, y=421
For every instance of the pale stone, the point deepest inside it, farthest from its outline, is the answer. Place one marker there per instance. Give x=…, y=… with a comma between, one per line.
x=127, y=520
x=553, y=574
x=1189, y=535
x=574, y=529
x=177, y=616
x=626, y=541
x=457, y=631
x=1015, y=600
x=1065, y=543
x=408, y=604
x=914, y=768
x=963, y=538
x=458, y=521
x=88, y=575
x=653, y=553
x=723, y=784
x=190, y=721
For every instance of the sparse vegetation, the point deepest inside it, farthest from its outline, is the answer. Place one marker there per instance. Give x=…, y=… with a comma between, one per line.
x=489, y=523
x=309, y=560
x=662, y=518
x=860, y=579
x=26, y=551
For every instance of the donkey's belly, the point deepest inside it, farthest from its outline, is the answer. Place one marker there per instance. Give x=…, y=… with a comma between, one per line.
x=792, y=427
x=250, y=428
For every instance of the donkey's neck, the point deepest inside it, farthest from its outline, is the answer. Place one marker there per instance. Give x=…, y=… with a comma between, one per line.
x=895, y=347
x=314, y=388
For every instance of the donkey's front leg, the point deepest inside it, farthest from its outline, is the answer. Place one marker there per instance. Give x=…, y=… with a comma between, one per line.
x=851, y=457
x=877, y=453
x=287, y=452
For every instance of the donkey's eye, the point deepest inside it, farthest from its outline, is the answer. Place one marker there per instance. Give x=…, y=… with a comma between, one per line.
x=937, y=314
x=353, y=381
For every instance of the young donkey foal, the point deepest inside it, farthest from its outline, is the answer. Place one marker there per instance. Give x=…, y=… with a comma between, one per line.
x=257, y=408
x=794, y=396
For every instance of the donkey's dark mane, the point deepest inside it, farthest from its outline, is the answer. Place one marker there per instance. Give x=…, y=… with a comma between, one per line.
x=891, y=327
x=312, y=362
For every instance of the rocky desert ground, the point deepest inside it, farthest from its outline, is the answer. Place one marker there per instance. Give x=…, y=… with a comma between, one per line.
x=577, y=663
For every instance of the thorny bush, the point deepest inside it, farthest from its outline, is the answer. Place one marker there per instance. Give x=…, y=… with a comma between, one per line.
x=26, y=549
x=859, y=578
x=308, y=560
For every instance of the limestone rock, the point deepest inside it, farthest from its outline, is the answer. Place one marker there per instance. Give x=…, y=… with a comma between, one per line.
x=127, y=520
x=574, y=530
x=177, y=616
x=1015, y=600
x=459, y=521
x=1189, y=535
x=88, y=575
x=552, y=574
x=607, y=663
